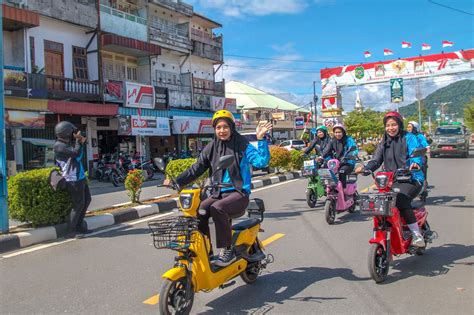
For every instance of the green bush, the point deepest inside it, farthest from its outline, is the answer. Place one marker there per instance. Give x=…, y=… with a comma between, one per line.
x=296, y=160
x=31, y=199
x=133, y=184
x=369, y=148
x=176, y=167
x=279, y=157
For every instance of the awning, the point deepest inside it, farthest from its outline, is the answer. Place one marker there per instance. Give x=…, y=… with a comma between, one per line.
x=82, y=108
x=130, y=111
x=40, y=142
x=129, y=46
x=16, y=18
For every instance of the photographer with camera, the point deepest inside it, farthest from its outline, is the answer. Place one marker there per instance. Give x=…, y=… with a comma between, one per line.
x=68, y=152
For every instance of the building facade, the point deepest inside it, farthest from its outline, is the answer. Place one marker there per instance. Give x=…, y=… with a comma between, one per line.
x=138, y=76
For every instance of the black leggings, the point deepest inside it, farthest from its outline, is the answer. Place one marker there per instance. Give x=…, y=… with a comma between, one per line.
x=81, y=199
x=406, y=192
x=344, y=170
x=222, y=210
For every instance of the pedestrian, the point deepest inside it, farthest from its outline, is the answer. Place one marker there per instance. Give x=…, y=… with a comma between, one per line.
x=68, y=152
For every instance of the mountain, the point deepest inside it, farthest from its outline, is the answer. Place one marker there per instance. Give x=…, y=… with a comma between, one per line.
x=458, y=93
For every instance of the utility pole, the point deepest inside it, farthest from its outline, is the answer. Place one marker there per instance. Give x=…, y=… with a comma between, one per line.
x=3, y=167
x=315, y=102
x=418, y=96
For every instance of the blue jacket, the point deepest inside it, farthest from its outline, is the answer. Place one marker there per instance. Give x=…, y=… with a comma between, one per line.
x=257, y=157
x=422, y=140
x=336, y=150
x=393, y=159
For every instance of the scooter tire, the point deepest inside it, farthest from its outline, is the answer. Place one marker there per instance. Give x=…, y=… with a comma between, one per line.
x=249, y=276
x=377, y=263
x=330, y=211
x=149, y=173
x=171, y=297
x=311, y=198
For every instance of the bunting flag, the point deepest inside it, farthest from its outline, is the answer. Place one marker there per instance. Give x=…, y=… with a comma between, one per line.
x=447, y=43
x=406, y=45
x=387, y=52
x=425, y=47
x=367, y=54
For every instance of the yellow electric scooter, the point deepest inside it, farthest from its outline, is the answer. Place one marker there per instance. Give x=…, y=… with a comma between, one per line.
x=193, y=271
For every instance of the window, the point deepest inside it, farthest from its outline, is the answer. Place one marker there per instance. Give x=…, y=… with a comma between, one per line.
x=79, y=60
x=32, y=51
x=131, y=74
x=53, y=46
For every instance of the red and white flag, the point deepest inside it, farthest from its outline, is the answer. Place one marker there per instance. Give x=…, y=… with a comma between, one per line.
x=406, y=45
x=367, y=54
x=387, y=52
x=447, y=43
x=425, y=47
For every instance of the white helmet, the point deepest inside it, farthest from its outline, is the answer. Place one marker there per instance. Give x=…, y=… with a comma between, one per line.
x=415, y=125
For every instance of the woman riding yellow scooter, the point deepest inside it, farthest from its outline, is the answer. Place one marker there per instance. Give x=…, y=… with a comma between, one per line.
x=229, y=202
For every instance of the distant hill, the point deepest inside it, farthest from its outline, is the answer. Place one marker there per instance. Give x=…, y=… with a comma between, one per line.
x=458, y=93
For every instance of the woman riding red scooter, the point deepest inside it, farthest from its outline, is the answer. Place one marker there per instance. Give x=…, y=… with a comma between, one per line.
x=394, y=153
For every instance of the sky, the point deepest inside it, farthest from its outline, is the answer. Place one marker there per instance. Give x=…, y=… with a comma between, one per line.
x=307, y=35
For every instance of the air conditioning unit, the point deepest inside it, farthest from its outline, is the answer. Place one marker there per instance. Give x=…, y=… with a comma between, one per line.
x=23, y=4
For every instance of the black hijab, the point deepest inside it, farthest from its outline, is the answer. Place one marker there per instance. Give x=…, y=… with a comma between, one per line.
x=395, y=149
x=236, y=146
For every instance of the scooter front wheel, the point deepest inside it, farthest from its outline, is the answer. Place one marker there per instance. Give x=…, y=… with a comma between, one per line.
x=311, y=198
x=330, y=211
x=173, y=297
x=378, y=263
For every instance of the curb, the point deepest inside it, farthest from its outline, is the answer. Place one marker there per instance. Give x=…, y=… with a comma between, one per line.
x=14, y=241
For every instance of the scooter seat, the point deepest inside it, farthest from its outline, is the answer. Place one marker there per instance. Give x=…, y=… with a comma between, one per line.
x=247, y=224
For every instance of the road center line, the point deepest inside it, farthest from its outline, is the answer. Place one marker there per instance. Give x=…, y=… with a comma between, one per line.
x=156, y=298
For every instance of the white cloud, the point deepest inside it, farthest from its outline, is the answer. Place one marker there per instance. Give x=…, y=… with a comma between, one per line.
x=238, y=8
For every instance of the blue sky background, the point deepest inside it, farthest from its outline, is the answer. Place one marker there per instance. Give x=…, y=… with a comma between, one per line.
x=336, y=32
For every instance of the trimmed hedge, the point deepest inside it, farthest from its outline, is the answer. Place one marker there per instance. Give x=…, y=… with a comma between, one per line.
x=296, y=160
x=279, y=157
x=369, y=148
x=176, y=167
x=31, y=199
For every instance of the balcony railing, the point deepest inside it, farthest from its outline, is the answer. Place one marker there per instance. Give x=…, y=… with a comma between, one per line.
x=207, y=51
x=84, y=90
x=177, y=6
x=123, y=15
x=206, y=38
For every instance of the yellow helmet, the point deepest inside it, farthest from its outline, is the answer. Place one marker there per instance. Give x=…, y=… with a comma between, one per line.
x=222, y=114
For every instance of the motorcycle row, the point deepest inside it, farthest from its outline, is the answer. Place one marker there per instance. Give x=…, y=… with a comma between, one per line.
x=193, y=271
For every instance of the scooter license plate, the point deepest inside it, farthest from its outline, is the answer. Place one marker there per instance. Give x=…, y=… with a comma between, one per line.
x=309, y=163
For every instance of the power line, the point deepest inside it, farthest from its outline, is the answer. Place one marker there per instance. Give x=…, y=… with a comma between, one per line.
x=291, y=60
x=451, y=8
x=298, y=70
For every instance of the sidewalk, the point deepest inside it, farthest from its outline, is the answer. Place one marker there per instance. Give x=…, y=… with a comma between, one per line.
x=13, y=241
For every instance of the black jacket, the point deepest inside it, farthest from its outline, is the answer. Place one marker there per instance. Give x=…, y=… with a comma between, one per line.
x=318, y=141
x=63, y=152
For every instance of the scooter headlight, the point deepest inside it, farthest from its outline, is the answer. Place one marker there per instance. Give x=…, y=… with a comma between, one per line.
x=186, y=201
x=381, y=181
x=332, y=165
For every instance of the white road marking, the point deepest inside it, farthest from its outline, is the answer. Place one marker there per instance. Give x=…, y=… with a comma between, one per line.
x=281, y=290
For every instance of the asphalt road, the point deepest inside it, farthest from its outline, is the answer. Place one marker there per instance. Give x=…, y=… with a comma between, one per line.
x=318, y=268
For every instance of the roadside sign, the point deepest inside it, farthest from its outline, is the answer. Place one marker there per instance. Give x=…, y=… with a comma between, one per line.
x=396, y=90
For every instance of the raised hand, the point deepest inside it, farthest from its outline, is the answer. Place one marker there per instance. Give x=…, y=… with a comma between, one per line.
x=262, y=129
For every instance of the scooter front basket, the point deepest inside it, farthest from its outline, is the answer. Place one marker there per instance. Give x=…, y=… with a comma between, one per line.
x=377, y=204
x=174, y=233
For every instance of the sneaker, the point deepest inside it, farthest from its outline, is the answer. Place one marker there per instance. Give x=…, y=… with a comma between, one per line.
x=417, y=240
x=225, y=258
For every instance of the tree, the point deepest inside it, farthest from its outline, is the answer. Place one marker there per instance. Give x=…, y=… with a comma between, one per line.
x=469, y=114
x=361, y=125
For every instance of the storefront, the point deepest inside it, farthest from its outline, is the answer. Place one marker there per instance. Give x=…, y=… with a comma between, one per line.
x=194, y=132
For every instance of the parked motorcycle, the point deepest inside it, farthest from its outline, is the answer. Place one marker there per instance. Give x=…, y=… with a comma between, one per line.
x=391, y=234
x=192, y=271
x=338, y=199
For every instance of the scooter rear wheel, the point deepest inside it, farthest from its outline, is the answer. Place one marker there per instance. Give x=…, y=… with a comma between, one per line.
x=330, y=211
x=173, y=297
x=311, y=198
x=378, y=263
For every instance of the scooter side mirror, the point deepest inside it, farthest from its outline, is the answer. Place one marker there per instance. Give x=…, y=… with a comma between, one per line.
x=418, y=152
x=225, y=162
x=159, y=163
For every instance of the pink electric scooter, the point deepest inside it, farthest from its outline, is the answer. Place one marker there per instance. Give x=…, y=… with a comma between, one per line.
x=338, y=199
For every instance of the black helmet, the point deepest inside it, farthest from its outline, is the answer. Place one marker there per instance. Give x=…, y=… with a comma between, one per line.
x=64, y=131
